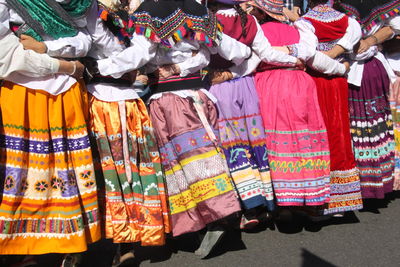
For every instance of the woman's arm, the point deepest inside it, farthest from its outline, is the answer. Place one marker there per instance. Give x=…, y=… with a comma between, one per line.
x=348, y=41
x=141, y=51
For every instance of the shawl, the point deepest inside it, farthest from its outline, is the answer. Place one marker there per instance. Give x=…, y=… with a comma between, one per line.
x=329, y=24
x=370, y=12
x=49, y=17
x=118, y=22
x=168, y=21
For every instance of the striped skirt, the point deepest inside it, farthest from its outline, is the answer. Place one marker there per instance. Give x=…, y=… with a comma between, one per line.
x=49, y=194
x=135, y=201
x=200, y=190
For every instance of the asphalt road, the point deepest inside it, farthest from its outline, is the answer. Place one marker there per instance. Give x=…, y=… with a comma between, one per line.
x=367, y=238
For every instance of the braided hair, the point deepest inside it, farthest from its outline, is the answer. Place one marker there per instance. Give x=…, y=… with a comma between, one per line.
x=243, y=18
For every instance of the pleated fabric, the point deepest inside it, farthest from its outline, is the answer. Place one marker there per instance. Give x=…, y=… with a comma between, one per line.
x=135, y=199
x=200, y=189
x=345, y=180
x=243, y=139
x=297, y=141
x=372, y=130
x=49, y=196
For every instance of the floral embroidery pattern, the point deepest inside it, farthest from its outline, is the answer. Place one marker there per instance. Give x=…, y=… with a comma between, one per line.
x=41, y=186
x=57, y=183
x=206, y=138
x=24, y=186
x=178, y=148
x=89, y=184
x=255, y=132
x=86, y=174
x=193, y=142
x=9, y=182
x=221, y=184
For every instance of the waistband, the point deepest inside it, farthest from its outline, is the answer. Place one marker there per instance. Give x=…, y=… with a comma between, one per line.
x=175, y=83
x=125, y=80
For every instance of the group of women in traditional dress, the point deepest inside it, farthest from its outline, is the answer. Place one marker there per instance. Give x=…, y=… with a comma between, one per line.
x=181, y=115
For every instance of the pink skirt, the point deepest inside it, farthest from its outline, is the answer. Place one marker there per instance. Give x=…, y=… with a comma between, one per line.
x=297, y=141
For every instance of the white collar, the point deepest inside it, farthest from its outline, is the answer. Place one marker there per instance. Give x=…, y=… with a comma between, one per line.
x=229, y=12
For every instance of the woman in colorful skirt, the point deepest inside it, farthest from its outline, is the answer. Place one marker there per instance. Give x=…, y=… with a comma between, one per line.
x=135, y=203
x=200, y=190
x=330, y=26
x=49, y=196
x=240, y=124
x=297, y=142
x=369, y=78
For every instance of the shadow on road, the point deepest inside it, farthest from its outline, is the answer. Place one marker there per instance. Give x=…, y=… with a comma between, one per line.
x=374, y=205
x=312, y=260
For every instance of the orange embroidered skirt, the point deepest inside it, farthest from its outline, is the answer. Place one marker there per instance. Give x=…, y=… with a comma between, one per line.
x=135, y=201
x=49, y=196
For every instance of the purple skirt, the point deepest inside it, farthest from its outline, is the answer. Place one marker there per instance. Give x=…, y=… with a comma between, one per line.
x=372, y=130
x=243, y=139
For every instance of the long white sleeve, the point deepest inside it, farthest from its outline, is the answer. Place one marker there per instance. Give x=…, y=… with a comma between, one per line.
x=326, y=65
x=352, y=36
x=394, y=23
x=247, y=67
x=371, y=52
x=231, y=50
x=195, y=63
x=137, y=55
x=308, y=42
x=263, y=49
x=70, y=47
x=76, y=46
x=13, y=58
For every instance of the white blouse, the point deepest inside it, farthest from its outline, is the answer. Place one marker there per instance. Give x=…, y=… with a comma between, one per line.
x=104, y=45
x=143, y=51
x=71, y=47
x=14, y=59
x=357, y=67
x=324, y=64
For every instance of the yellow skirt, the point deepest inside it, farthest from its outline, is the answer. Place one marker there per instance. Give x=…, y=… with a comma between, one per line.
x=49, y=196
x=135, y=200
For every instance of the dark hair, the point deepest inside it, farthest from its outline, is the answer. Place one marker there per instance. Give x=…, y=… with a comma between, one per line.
x=337, y=6
x=243, y=18
x=314, y=3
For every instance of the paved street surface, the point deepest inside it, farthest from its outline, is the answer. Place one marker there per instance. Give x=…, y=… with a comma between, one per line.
x=367, y=238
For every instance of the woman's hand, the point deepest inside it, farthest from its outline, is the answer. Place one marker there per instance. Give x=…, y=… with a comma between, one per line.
x=29, y=43
x=167, y=71
x=142, y=78
x=292, y=16
x=365, y=45
x=73, y=68
x=283, y=49
x=300, y=65
x=217, y=77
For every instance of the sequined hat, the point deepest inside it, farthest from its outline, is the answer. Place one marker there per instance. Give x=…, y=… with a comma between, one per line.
x=273, y=8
